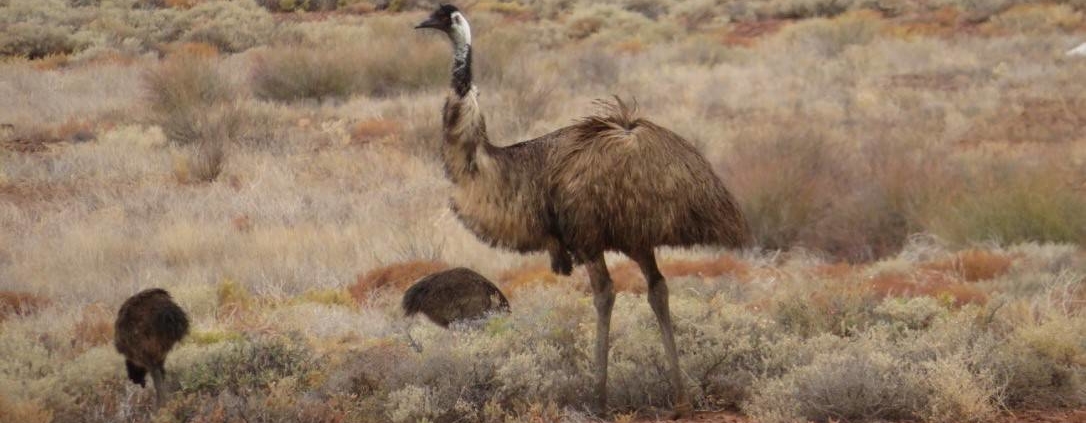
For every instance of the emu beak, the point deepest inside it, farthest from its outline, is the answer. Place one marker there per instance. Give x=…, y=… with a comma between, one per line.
x=429, y=23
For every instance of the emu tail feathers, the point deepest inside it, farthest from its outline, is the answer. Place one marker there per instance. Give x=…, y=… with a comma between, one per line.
x=172, y=322
x=614, y=115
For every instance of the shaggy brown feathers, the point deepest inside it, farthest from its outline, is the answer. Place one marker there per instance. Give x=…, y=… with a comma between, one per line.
x=147, y=327
x=452, y=295
x=612, y=181
x=624, y=183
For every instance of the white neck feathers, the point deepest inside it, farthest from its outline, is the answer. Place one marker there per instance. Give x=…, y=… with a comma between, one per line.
x=461, y=31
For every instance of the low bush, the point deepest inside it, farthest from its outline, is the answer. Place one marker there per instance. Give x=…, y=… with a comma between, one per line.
x=831, y=37
x=251, y=364
x=231, y=26
x=344, y=69
x=196, y=108
x=1016, y=206
x=297, y=73
x=860, y=383
x=36, y=41
x=299, y=5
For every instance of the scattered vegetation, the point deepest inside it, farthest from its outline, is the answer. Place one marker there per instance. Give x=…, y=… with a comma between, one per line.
x=912, y=171
x=196, y=108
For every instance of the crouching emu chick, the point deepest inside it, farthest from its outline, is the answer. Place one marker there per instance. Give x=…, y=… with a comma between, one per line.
x=148, y=325
x=452, y=295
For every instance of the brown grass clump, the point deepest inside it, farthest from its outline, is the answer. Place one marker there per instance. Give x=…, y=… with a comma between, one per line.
x=786, y=184
x=973, y=265
x=95, y=327
x=394, y=277
x=834, y=271
x=706, y=268
x=625, y=274
x=519, y=278
x=746, y=34
x=937, y=285
x=13, y=410
x=627, y=277
x=195, y=106
x=181, y=91
x=13, y=303
x=52, y=62
x=374, y=130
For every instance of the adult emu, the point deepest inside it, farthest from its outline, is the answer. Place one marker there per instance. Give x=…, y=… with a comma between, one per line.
x=609, y=182
x=452, y=295
x=148, y=325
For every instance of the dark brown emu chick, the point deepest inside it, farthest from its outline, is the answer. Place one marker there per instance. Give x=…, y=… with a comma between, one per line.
x=148, y=325
x=453, y=295
x=610, y=182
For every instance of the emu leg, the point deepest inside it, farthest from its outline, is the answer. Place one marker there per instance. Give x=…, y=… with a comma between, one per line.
x=658, y=299
x=603, y=290
x=158, y=375
x=561, y=262
x=136, y=374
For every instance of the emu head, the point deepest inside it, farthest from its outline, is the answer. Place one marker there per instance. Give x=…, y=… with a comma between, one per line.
x=449, y=20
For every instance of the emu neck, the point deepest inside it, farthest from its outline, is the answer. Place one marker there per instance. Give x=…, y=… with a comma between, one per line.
x=466, y=140
x=461, y=71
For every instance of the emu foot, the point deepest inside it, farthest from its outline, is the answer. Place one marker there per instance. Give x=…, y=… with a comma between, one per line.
x=561, y=263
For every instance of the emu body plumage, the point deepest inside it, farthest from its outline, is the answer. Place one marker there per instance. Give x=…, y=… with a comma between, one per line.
x=454, y=295
x=148, y=325
x=609, y=182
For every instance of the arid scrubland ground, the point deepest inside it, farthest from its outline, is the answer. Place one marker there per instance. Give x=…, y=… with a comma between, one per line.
x=914, y=171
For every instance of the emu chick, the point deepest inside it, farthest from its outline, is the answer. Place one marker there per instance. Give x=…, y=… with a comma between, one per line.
x=148, y=325
x=452, y=295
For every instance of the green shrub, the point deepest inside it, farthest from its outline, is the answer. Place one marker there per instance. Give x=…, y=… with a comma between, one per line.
x=1018, y=205
x=860, y=383
x=910, y=313
x=232, y=26
x=957, y=392
x=35, y=41
x=251, y=364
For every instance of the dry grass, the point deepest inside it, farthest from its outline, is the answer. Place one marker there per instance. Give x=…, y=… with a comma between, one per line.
x=14, y=303
x=974, y=265
x=913, y=176
x=395, y=277
x=95, y=327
